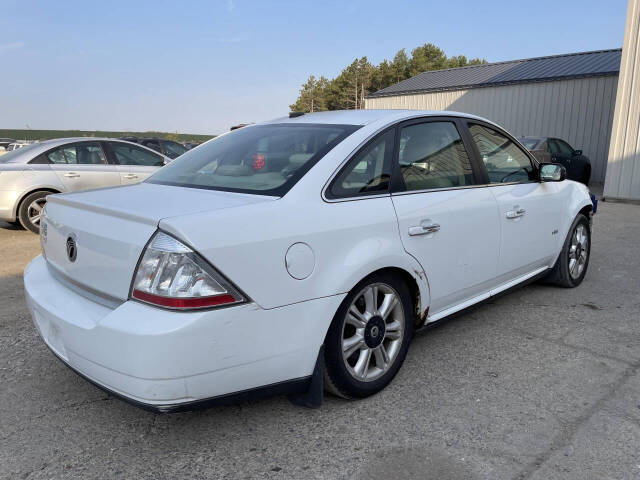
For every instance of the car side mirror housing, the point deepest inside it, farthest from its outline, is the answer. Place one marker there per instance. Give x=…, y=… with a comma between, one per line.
x=577, y=153
x=552, y=172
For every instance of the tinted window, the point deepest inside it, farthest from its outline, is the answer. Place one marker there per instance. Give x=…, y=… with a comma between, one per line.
x=432, y=155
x=564, y=147
x=504, y=160
x=368, y=171
x=173, y=149
x=153, y=145
x=531, y=143
x=262, y=159
x=132, y=155
x=88, y=153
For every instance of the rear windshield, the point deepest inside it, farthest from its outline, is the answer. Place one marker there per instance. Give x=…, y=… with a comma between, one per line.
x=261, y=159
x=530, y=143
x=13, y=154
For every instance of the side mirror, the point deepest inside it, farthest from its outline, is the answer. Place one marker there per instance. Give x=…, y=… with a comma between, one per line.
x=552, y=172
x=577, y=153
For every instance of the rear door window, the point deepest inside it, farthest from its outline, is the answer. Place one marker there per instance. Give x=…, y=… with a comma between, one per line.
x=432, y=155
x=86, y=153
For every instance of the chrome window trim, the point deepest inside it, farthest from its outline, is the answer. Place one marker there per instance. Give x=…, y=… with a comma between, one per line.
x=464, y=187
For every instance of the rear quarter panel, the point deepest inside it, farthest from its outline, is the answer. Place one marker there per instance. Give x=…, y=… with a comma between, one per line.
x=248, y=245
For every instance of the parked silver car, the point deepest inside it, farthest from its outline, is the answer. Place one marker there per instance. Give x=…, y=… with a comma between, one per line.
x=29, y=174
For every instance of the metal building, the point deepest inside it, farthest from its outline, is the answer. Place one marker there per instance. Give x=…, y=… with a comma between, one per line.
x=566, y=96
x=623, y=171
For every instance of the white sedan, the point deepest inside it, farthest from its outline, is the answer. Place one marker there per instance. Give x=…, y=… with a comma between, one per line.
x=297, y=255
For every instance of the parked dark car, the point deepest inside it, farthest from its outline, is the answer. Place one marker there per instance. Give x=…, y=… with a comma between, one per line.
x=5, y=142
x=555, y=150
x=168, y=148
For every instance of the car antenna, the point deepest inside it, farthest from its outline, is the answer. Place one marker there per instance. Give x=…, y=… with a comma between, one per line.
x=295, y=114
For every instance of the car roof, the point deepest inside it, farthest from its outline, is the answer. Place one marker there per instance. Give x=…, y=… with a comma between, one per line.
x=44, y=145
x=364, y=117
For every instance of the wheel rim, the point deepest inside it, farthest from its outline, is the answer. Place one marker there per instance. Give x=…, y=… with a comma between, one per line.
x=34, y=212
x=372, y=332
x=578, y=251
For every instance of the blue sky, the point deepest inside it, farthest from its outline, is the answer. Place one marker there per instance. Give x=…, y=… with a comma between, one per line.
x=202, y=66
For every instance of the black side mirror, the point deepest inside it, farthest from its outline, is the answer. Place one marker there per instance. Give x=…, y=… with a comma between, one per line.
x=552, y=172
x=577, y=153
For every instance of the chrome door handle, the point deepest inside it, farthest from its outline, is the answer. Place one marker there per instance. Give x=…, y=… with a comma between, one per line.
x=130, y=176
x=516, y=213
x=72, y=175
x=424, y=229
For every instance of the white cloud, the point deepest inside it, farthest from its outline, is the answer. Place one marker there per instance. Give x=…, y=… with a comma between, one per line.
x=7, y=47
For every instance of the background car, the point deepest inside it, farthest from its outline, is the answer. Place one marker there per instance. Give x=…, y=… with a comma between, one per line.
x=556, y=150
x=16, y=145
x=168, y=148
x=5, y=142
x=298, y=251
x=29, y=174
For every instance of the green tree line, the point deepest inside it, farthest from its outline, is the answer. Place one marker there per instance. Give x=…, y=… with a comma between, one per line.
x=356, y=81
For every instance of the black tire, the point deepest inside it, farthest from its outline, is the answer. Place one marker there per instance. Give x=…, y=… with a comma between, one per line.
x=560, y=273
x=24, y=211
x=338, y=378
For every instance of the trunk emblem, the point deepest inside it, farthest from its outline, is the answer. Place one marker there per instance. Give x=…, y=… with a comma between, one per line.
x=72, y=248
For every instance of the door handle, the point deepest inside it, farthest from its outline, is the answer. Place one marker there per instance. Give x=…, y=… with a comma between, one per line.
x=424, y=229
x=511, y=214
x=130, y=176
x=72, y=175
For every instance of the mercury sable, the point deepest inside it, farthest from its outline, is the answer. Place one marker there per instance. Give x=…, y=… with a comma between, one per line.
x=298, y=254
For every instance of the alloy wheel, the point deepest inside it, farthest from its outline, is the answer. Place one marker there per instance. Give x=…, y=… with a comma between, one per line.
x=34, y=211
x=372, y=332
x=578, y=251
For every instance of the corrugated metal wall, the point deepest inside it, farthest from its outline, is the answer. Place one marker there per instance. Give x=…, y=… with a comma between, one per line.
x=579, y=111
x=623, y=172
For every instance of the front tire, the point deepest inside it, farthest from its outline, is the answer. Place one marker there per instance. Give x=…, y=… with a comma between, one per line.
x=571, y=266
x=369, y=336
x=30, y=210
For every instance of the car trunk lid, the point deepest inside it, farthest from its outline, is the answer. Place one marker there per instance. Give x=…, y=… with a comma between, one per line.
x=110, y=227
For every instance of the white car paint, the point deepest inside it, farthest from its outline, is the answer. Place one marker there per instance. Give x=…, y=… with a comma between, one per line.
x=164, y=358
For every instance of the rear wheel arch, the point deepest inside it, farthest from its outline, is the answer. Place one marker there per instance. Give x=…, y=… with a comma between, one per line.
x=49, y=190
x=419, y=313
x=22, y=215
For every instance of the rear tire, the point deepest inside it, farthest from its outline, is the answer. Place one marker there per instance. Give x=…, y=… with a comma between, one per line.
x=30, y=210
x=369, y=337
x=571, y=266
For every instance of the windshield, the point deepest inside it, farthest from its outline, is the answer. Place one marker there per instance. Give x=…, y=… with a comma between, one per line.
x=13, y=154
x=530, y=143
x=262, y=159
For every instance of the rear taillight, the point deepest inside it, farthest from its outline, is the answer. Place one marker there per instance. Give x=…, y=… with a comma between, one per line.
x=172, y=275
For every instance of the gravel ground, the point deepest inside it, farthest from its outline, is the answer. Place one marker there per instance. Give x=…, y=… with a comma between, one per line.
x=543, y=383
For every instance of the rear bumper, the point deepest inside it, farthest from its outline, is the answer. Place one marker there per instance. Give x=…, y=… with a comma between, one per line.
x=8, y=201
x=163, y=360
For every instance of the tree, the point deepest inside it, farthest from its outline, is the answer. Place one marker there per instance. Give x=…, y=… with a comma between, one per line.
x=312, y=96
x=400, y=66
x=349, y=89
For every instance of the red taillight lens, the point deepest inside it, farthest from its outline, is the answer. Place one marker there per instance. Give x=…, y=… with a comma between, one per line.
x=258, y=161
x=171, y=275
